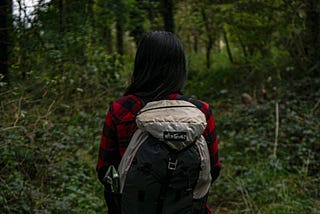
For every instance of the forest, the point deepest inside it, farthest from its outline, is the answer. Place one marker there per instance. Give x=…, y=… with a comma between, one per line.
x=256, y=62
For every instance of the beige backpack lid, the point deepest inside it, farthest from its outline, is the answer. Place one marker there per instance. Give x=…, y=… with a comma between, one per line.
x=178, y=123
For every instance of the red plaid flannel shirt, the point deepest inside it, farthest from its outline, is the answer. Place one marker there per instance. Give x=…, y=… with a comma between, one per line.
x=120, y=126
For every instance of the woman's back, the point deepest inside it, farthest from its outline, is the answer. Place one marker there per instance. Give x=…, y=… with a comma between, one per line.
x=159, y=73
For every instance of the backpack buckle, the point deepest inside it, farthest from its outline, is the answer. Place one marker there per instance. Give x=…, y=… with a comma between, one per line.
x=172, y=165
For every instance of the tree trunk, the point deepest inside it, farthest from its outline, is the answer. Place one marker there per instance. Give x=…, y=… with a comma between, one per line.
x=62, y=16
x=137, y=20
x=208, y=51
x=151, y=13
x=210, y=38
x=22, y=39
x=195, y=40
x=120, y=32
x=5, y=25
x=243, y=47
x=312, y=40
x=227, y=46
x=120, y=21
x=167, y=7
x=89, y=11
x=107, y=35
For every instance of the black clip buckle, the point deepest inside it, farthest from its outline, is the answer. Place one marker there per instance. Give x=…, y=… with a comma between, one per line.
x=172, y=165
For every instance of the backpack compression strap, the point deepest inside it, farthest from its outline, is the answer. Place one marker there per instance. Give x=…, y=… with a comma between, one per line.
x=172, y=164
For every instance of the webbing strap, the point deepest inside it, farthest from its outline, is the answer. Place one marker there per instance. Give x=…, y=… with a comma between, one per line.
x=145, y=100
x=172, y=164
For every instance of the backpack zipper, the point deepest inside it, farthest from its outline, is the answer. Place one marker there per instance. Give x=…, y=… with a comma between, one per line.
x=163, y=107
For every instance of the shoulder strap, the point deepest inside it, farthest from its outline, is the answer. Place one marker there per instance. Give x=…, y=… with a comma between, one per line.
x=137, y=139
x=143, y=100
x=182, y=97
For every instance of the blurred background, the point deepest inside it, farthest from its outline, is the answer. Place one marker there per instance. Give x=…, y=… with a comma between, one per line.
x=256, y=62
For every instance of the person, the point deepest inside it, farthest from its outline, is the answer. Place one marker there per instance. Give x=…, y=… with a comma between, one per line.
x=159, y=73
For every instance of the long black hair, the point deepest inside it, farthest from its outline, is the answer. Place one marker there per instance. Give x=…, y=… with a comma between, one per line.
x=160, y=66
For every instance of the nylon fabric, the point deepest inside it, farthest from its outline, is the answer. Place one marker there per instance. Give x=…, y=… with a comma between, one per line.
x=137, y=139
x=172, y=116
x=166, y=127
x=204, y=179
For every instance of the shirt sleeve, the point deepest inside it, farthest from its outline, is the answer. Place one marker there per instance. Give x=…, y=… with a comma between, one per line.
x=109, y=147
x=212, y=140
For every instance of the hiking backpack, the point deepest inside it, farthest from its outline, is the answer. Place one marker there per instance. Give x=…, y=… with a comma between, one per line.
x=166, y=167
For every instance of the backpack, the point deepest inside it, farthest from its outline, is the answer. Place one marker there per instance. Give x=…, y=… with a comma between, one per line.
x=166, y=166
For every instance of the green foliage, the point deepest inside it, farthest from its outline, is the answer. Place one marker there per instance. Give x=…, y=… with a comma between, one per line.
x=253, y=180
x=50, y=134
x=207, y=83
x=48, y=155
x=50, y=139
x=65, y=73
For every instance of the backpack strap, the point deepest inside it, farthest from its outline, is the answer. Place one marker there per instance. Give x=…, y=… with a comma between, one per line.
x=172, y=164
x=182, y=97
x=143, y=100
x=195, y=102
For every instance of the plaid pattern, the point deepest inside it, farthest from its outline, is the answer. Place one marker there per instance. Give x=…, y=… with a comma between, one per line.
x=120, y=126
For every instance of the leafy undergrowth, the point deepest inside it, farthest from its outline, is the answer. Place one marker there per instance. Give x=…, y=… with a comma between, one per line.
x=49, y=140
x=258, y=175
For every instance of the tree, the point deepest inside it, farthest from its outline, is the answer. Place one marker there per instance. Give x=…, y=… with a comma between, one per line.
x=312, y=38
x=120, y=11
x=137, y=20
x=299, y=32
x=167, y=11
x=207, y=14
x=62, y=16
x=103, y=21
x=5, y=26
